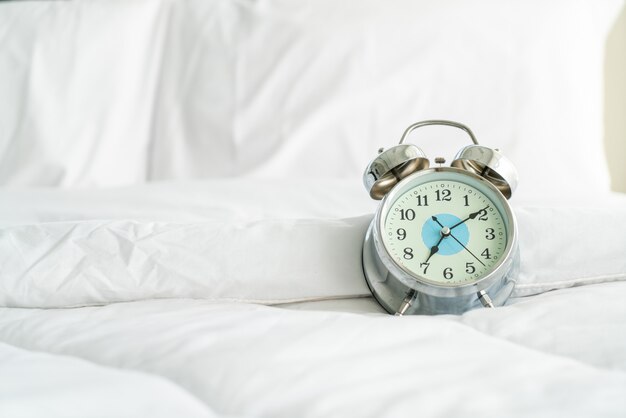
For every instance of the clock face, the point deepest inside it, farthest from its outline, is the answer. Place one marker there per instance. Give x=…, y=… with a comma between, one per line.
x=448, y=231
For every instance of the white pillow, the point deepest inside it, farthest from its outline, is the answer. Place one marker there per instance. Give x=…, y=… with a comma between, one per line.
x=78, y=83
x=275, y=88
x=76, y=263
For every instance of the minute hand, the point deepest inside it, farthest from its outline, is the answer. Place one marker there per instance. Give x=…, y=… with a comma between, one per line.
x=471, y=216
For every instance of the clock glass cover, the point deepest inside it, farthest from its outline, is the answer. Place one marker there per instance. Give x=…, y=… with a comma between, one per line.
x=447, y=231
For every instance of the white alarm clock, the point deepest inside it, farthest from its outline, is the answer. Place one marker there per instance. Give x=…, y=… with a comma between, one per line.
x=444, y=239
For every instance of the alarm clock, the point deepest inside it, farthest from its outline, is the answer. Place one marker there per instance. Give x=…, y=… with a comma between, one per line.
x=444, y=239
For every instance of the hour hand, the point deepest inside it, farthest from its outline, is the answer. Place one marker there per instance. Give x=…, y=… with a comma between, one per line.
x=444, y=233
x=434, y=249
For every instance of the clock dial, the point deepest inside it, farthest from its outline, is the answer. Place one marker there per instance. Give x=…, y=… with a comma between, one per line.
x=445, y=231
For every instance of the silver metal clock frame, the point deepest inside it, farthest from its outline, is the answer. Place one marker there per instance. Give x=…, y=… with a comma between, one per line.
x=401, y=292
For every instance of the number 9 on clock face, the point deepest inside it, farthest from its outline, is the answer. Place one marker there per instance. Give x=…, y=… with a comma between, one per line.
x=447, y=231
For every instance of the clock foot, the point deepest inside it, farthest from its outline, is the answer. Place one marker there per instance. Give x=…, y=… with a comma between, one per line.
x=484, y=298
x=406, y=303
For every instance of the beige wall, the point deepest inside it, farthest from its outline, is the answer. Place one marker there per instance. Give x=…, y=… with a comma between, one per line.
x=615, y=103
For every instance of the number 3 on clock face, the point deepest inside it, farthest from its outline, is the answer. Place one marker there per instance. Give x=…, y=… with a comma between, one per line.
x=447, y=232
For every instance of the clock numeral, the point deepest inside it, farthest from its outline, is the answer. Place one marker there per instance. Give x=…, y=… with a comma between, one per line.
x=482, y=215
x=422, y=200
x=425, y=266
x=407, y=215
x=469, y=268
x=486, y=254
x=490, y=233
x=401, y=234
x=408, y=253
x=443, y=195
x=447, y=273
x=466, y=198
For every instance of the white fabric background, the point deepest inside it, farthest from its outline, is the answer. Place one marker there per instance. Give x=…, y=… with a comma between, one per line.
x=307, y=89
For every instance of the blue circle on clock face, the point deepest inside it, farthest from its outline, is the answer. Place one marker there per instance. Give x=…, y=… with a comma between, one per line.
x=431, y=234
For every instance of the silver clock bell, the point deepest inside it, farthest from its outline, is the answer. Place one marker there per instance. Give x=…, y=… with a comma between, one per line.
x=444, y=239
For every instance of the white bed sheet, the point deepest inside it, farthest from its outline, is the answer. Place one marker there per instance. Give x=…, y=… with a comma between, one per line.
x=559, y=352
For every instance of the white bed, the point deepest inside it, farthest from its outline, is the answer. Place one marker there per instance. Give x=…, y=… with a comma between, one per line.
x=181, y=216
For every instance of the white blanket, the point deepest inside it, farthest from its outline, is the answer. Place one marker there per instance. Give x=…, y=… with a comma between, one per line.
x=539, y=357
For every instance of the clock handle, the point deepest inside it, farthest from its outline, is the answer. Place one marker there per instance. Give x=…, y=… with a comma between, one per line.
x=416, y=125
